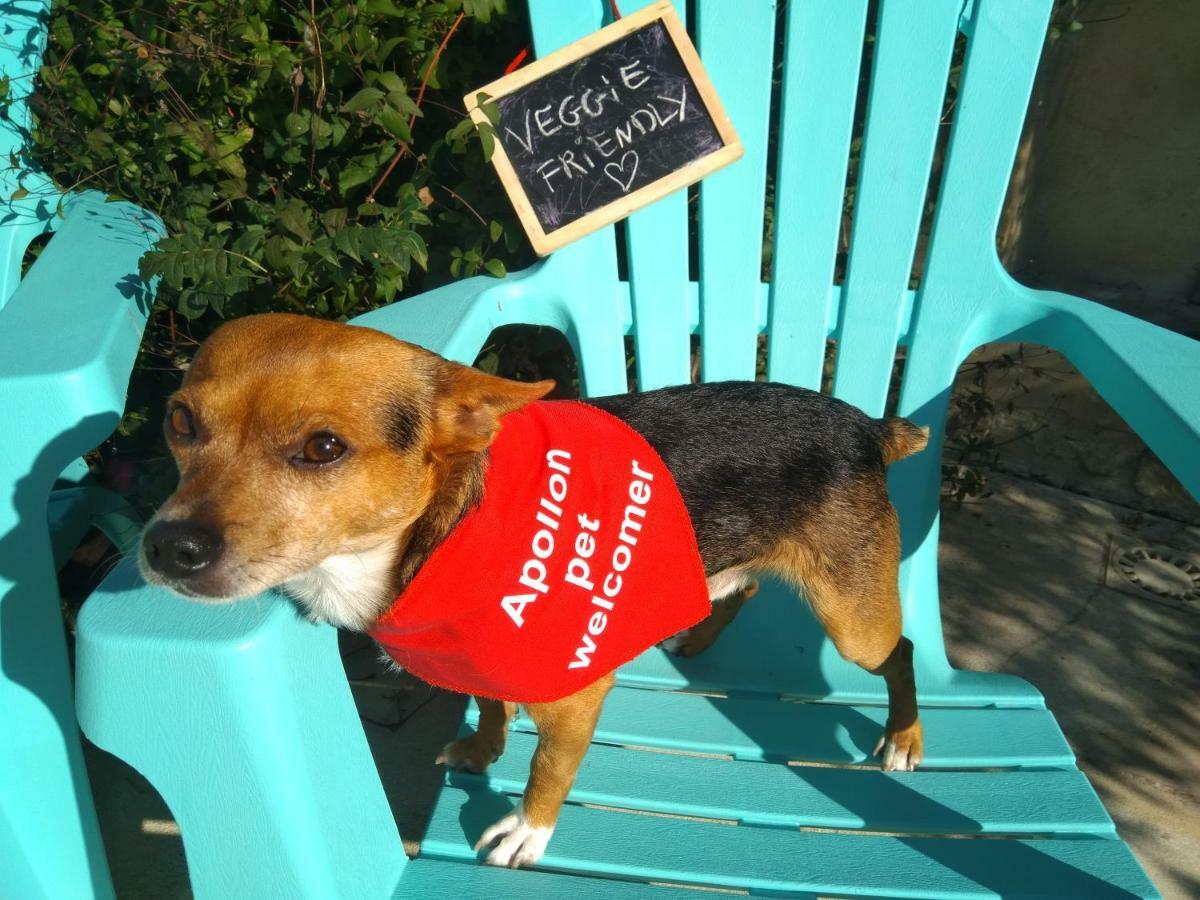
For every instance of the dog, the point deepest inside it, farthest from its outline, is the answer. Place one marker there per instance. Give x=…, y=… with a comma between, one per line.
x=332, y=461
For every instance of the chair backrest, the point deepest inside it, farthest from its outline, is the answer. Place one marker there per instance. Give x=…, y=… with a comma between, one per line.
x=794, y=175
x=23, y=25
x=22, y=40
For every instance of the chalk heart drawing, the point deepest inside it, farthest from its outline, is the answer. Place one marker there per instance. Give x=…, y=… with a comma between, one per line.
x=616, y=171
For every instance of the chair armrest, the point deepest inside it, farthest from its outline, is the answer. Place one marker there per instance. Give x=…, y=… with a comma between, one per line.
x=241, y=717
x=1149, y=375
x=69, y=334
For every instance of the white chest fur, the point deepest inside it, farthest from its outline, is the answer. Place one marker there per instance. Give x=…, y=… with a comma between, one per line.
x=348, y=590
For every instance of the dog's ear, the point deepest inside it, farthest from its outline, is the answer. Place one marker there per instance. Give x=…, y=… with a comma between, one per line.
x=469, y=405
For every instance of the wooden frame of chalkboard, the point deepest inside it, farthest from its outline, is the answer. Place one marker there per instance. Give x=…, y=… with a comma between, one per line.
x=561, y=229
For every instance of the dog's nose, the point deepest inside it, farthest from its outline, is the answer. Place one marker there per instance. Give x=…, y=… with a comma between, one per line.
x=179, y=549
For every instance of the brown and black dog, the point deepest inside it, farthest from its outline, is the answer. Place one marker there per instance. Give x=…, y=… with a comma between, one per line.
x=331, y=460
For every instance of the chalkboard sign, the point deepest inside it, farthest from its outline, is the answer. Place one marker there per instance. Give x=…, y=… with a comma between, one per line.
x=605, y=126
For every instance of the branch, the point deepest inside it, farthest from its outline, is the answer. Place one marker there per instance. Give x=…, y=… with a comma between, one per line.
x=403, y=148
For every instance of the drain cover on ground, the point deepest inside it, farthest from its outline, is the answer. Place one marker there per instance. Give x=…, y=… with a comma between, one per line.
x=1160, y=571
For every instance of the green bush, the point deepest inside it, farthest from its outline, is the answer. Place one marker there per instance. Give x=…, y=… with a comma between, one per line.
x=307, y=157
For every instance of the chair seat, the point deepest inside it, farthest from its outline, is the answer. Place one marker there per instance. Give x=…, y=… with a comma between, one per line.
x=437, y=878
x=776, y=646
x=976, y=821
x=760, y=728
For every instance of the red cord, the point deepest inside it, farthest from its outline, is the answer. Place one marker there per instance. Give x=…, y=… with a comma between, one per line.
x=516, y=61
x=616, y=12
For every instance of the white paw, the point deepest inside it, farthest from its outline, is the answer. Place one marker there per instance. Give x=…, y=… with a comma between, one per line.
x=675, y=642
x=896, y=759
x=521, y=844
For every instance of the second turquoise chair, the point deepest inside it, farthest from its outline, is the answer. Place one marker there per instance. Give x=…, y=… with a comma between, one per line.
x=242, y=718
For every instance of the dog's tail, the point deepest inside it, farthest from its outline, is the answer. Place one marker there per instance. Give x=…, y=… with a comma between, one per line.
x=902, y=438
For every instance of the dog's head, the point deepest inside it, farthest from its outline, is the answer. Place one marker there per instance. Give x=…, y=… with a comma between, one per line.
x=299, y=441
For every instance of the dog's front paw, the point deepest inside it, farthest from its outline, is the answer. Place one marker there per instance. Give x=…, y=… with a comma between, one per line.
x=521, y=844
x=469, y=754
x=902, y=750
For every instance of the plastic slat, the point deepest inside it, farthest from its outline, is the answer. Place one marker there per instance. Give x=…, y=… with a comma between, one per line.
x=583, y=275
x=656, y=244
x=997, y=76
x=658, y=275
x=1014, y=802
x=435, y=879
x=964, y=286
x=775, y=860
x=736, y=41
x=554, y=24
x=822, y=53
x=914, y=41
x=754, y=729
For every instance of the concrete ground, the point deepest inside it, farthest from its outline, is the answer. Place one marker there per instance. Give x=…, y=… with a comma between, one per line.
x=1033, y=583
x=1027, y=588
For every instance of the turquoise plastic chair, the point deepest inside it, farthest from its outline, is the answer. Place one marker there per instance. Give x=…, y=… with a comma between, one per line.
x=241, y=715
x=69, y=332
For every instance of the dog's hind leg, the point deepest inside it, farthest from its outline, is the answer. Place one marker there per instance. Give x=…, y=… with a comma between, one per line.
x=847, y=562
x=865, y=628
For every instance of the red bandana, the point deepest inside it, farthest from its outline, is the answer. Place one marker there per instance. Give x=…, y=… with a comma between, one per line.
x=580, y=557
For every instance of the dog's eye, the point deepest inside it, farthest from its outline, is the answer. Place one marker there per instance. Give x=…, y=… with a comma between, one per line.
x=320, y=449
x=180, y=423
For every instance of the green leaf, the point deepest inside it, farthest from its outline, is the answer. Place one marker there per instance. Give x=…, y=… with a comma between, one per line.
x=359, y=170
x=294, y=217
x=404, y=103
x=280, y=253
x=99, y=141
x=349, y=242
x=393, y=120
x=495, y=229
x=496, y=267
x=385, y=8
x=385, y=49
x=364, y=99
x=191, y=304
x=431, y=74
x=487, y=140
x=64, y=38
x=390, y=81
x=334, y=219
x=228, y=151
x=297, y=123
x=232, y=188
x=420, y=252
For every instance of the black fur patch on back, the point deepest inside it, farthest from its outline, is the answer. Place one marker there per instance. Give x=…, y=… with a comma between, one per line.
x=402, y=421
x=752, y=460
